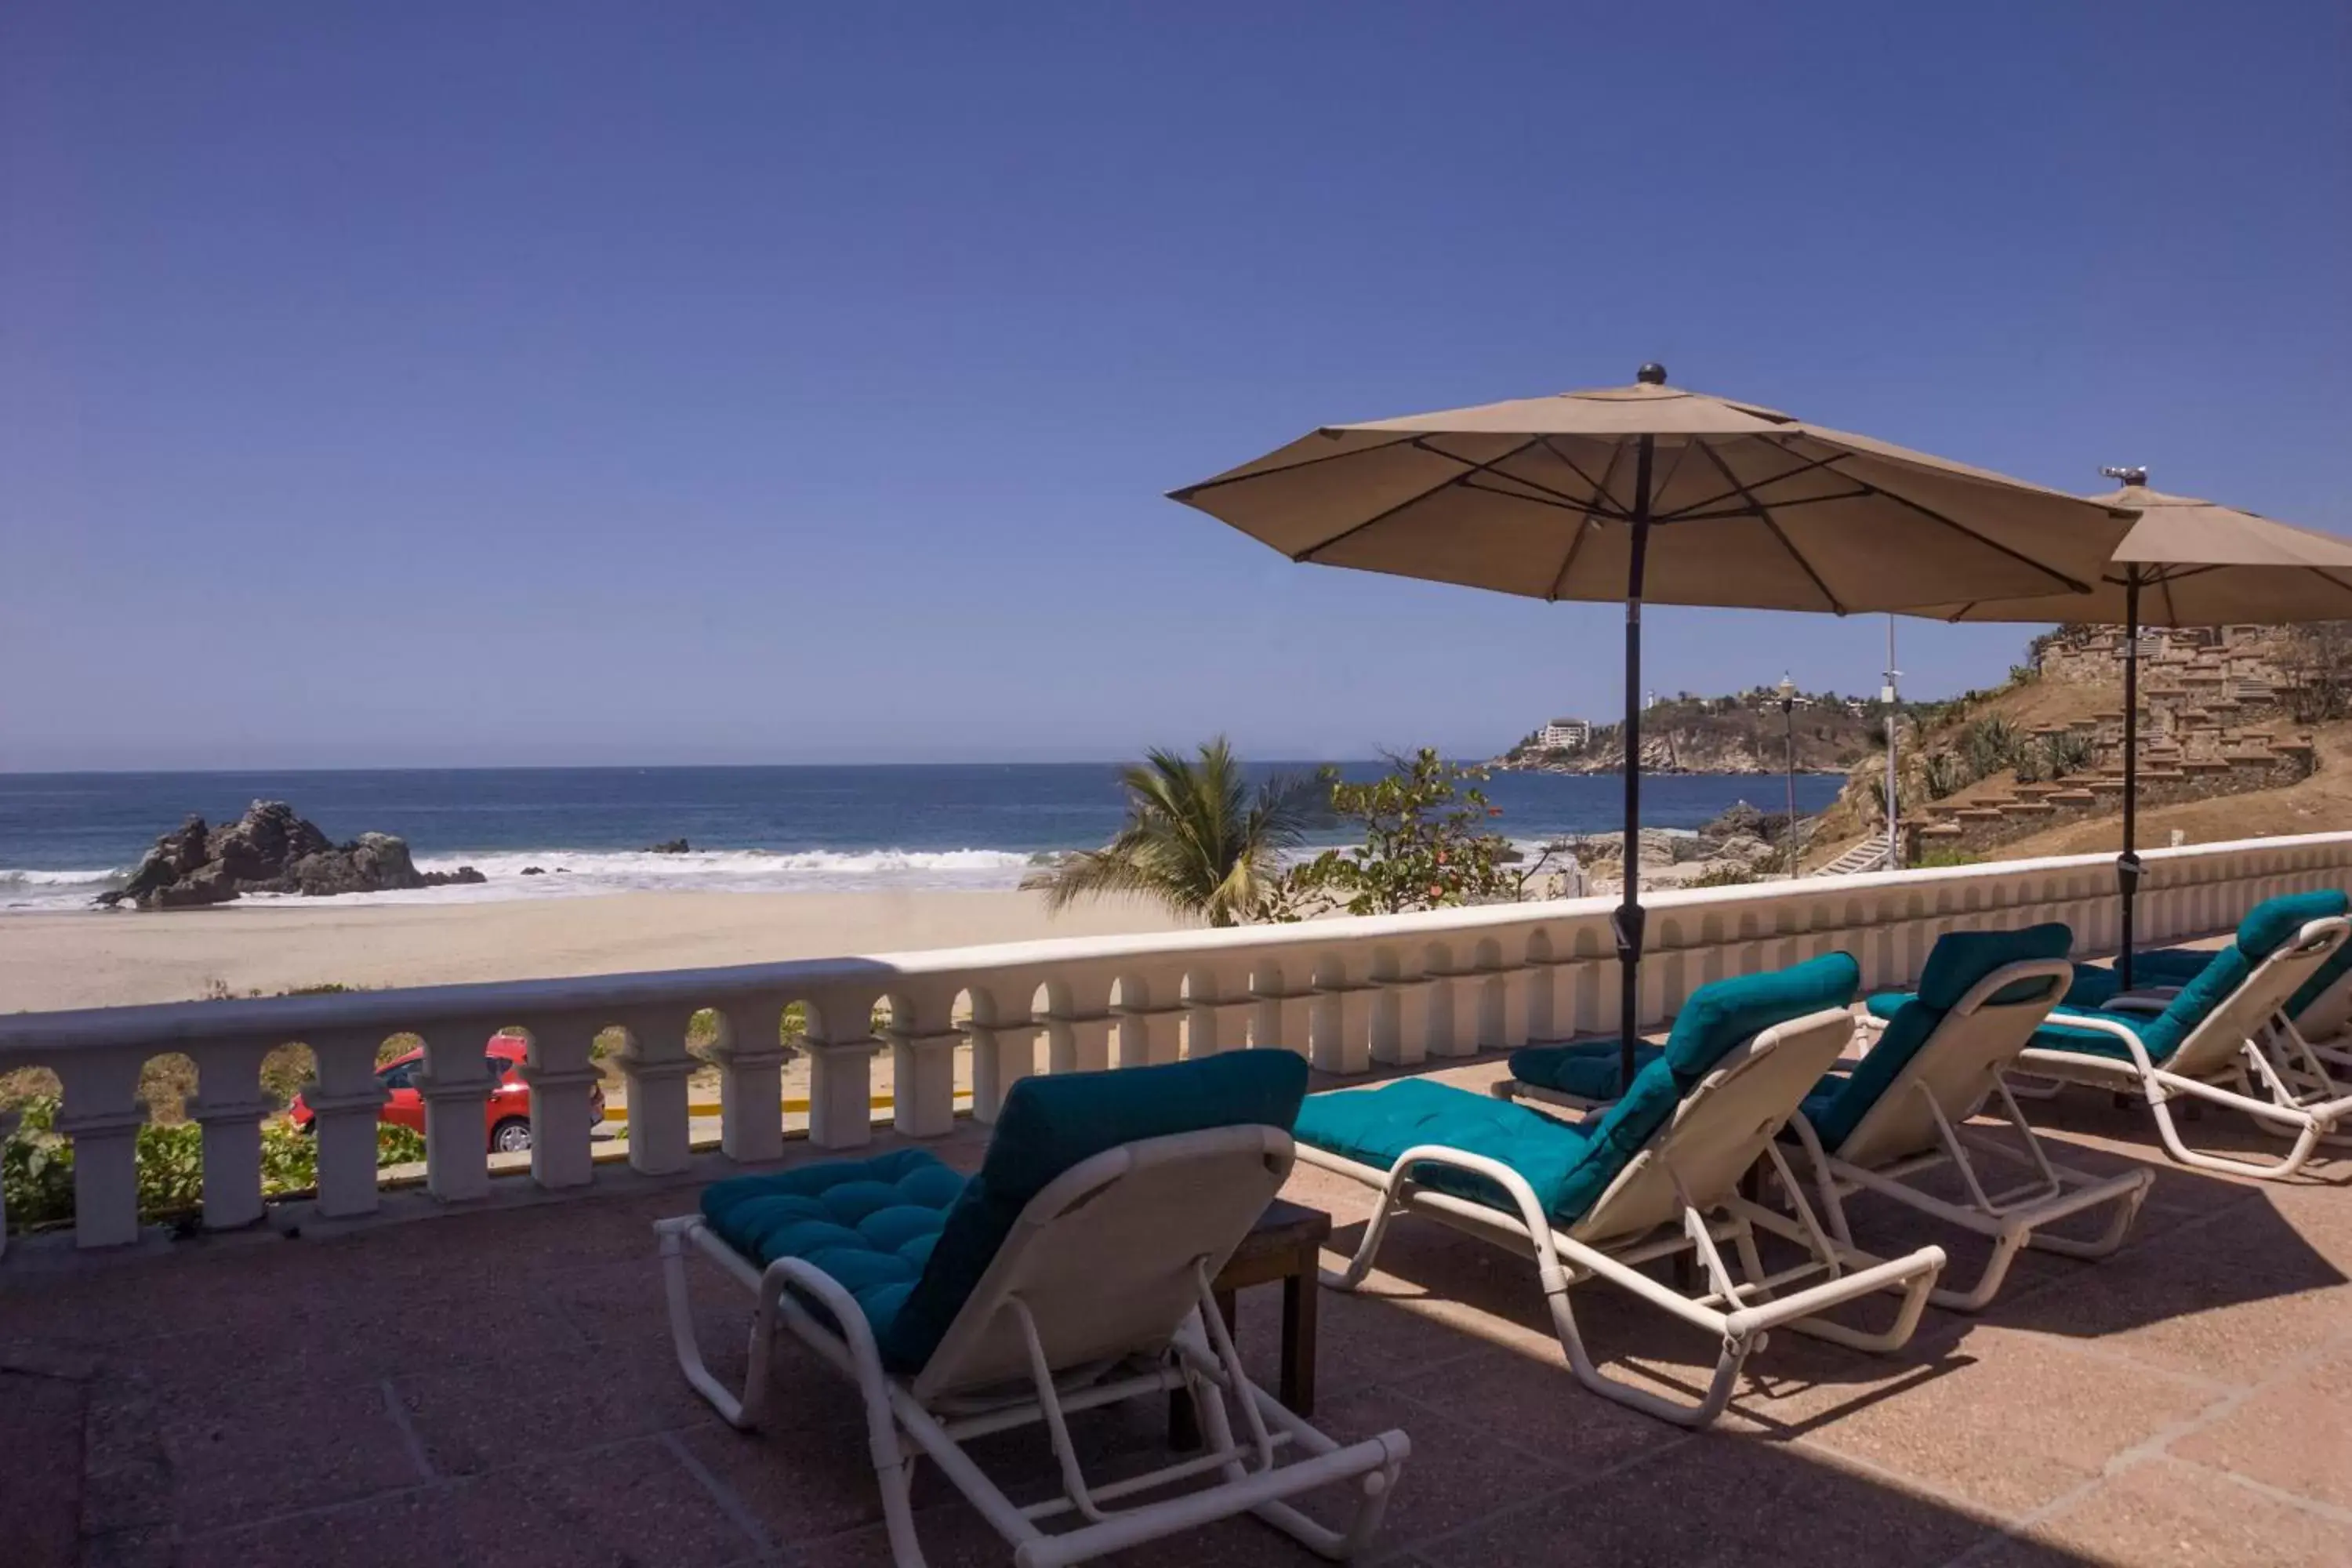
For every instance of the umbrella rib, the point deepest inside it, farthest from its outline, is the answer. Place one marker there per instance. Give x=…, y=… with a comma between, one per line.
x=2329, y=577
x=1764, y=515
x=1561, y=495
x=1751, y=511
x=1189, y=491
x=1547, y=499
x=1930, y=513
x=1682, y=513
x=1604, y=504
x=1576, y=539
x=1312, y=551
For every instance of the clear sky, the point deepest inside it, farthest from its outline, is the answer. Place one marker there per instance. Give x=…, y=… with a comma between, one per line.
x=453, y=383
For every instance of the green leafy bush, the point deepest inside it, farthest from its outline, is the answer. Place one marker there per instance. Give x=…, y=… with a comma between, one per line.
x=37, y=1165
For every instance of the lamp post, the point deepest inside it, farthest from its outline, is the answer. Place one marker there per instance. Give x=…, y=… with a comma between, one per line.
x=1894, y=811
x=1787, y=689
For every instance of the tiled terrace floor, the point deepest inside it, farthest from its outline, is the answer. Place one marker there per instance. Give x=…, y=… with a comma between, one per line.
x=497, y=1387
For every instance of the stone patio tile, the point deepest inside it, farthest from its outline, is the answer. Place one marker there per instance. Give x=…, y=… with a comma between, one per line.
x=2229, y=1300
x=403, y=1529
x=41, y=1436
x=2021, y=1420
x=304, y=1448
x=805, y=1477
x=2162, y=1514
x=2295, y=1434
x=1723, y=1501
x=500, y=1412
x=613, y=1508
x=1458, y=1471
x=1536, y=1407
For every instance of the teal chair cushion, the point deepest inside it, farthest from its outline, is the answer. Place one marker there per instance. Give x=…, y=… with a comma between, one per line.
x=2266, y=926
x=1885, y=1004
x=909, y=1238
x=1714, y=1017
x=2322, y=980
x=2057, y=1036
x=870, y=1223
x=1375, y=1126
x=1571, y=1167
x=1588, y=1071
x=1959, y=960
x=2274, y=921
x=2095, y=987
x=1049, y=1124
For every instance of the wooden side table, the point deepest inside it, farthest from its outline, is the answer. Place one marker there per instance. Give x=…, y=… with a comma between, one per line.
x=1283, y=1245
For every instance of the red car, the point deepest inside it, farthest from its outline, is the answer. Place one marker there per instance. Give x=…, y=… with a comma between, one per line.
x=505, y=1116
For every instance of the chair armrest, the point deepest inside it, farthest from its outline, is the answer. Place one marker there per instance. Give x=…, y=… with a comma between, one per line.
x=2148, y=999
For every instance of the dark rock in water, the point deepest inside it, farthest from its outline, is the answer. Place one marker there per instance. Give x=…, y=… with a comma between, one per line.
x=670, y=846
x=534, y=870
x=270, y=850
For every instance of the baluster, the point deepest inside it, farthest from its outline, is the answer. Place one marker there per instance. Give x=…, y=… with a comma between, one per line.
x=102, y=1111
x=344, y=1105
x=1339, y=1030
x=1146, y=1033
x=456, y=1088
x=751, y=1055
x=841, y=1049
x=923, y=1040
x=656, y=1067
x=1077, y=1026
x=229, y=1105
x=1284, y=1011
x=1003, y=1051
x=1400, y=1010
x=561, y=1070
x=1205, y=1032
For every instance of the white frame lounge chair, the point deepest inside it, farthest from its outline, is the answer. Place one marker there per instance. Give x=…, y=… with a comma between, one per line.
x=1656, y=1177
x=2320, y=1012
x=1072, y=1272
x=2218, y=1040
x=1904, y=1108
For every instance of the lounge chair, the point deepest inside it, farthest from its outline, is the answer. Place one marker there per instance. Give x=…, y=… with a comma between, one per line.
x=1655, y=1176
x=2321, y=1011
x=2216, y=1038
x=1071, y=1273
x=1903, y=1110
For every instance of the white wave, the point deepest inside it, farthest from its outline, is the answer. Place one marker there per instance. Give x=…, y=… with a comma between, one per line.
x=562, y=872
x=105, y=876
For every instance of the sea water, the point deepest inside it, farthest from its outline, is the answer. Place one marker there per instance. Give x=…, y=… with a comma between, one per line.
x=65, y=838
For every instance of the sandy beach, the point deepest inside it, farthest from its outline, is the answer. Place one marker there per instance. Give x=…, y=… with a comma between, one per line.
x=106, y=960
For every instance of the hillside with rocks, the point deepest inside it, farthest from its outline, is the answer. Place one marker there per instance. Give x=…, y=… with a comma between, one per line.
x=1742, y=733
x=2238, y=729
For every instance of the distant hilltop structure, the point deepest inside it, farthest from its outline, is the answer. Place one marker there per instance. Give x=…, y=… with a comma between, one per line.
x=1564, y=735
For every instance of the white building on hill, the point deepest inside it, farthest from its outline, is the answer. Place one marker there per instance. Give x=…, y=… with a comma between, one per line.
x=1564, y=735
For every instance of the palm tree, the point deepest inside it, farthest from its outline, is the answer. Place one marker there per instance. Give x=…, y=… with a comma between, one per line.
x=1197, y=838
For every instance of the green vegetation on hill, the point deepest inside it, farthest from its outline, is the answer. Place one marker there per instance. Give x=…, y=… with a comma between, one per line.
x=1741, y=733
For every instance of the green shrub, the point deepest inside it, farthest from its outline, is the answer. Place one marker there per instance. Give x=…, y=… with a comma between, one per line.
x=37, y=1165
x=1726, y=876
x=1948, y=855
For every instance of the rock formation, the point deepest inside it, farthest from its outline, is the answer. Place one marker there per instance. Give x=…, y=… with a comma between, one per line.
x=270, y=850
x=670, y=846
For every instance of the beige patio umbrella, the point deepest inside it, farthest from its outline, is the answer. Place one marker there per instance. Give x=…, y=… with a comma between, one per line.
x=2185, y=562
x=1651, y=492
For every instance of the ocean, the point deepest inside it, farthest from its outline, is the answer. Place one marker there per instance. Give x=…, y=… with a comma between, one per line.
x=63, y=837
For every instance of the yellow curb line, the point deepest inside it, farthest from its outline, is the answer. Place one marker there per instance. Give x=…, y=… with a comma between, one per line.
x=711, y=1108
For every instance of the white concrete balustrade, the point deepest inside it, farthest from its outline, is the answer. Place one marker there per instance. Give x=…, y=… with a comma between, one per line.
x=1348, y=994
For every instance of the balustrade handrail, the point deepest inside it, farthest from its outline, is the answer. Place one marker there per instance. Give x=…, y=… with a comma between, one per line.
x=166, y=1025
x=1346, y=992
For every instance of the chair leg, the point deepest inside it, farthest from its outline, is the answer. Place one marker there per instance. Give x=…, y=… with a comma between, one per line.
x=2306, y=1138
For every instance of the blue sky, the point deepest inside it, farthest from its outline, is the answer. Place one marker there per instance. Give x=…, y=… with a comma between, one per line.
x=449, y=384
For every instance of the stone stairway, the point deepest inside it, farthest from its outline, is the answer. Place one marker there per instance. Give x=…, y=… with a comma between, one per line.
x=1870, y=855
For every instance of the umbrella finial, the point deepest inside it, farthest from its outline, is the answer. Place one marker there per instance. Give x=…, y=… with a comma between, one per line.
x=1651, y=374
x=2135, y=475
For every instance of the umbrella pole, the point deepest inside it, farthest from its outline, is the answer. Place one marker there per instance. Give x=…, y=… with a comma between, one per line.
x=2127, y=863
x=1627, y=923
